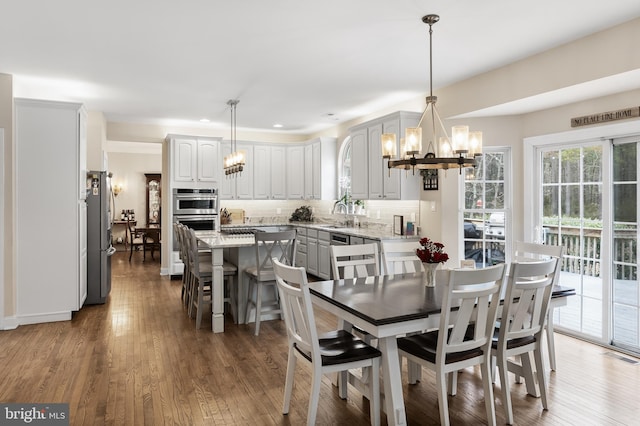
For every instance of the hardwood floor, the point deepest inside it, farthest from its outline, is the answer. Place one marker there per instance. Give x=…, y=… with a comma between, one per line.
x=139, y=360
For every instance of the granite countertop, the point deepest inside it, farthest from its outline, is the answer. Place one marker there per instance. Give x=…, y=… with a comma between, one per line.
x=374, y=233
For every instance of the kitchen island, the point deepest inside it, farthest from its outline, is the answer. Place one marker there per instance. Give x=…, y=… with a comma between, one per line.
x=235, y=243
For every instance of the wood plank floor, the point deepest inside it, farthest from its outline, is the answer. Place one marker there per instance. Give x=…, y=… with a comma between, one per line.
x=138, y=360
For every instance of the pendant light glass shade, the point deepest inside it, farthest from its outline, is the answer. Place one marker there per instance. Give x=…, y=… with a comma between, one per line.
x=413, y=140
x=389, y=147
x=475, y=143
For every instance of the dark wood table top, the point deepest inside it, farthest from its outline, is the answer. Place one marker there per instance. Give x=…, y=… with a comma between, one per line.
x=390, y=299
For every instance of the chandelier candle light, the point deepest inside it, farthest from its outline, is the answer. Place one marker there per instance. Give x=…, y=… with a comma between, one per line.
x=431, y=254
x=459, y=151
x=233, y=163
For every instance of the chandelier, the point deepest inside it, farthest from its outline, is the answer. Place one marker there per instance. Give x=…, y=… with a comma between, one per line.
x=459, y=151
x=234, y=162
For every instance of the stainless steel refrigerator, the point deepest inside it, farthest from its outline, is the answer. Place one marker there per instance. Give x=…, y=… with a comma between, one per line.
x=99, y=248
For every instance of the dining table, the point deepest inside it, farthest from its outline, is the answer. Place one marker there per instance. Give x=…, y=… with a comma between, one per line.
x=387, y=307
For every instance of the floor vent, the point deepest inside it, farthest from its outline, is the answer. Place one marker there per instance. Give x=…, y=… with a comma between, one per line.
x=622, y=358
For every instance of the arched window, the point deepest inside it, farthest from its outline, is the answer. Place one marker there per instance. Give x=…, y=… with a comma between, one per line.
x=344, y=168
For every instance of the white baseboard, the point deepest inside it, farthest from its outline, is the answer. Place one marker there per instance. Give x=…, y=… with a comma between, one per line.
x=9, y=323
x=40, y=318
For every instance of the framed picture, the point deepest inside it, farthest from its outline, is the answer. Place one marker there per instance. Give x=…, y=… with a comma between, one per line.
x=398, y=225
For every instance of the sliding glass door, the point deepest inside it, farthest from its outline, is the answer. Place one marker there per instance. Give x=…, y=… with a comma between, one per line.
x=572, y=216
x=589, y=197
x=625, y=321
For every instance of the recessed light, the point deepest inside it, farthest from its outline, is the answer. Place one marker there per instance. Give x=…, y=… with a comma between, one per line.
x=278, y=126
x=331, y=116
x=204, y=120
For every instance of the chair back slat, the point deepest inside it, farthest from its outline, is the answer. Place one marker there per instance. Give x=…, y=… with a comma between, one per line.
x=470, y=300
x=281, y=245
x=399, y=257
x=355, y=261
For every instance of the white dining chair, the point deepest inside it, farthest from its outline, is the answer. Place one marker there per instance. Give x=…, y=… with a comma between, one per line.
x=463, y=338
x=523, y=252
x=526, y=302
x=331, y=352
x=354, y=261
x=399, y=256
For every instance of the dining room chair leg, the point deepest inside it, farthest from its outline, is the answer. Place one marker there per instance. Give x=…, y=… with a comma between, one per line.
x=550, y=340
x=314, y=397
x=443, y=404
x=374, y=401
x=343, y=379
x=488, y=392
x=542, y=378
x=258, y=307
x=288, y=386
x=247, y=310
x=452, y=382
x=505, y=388
x=529, y=374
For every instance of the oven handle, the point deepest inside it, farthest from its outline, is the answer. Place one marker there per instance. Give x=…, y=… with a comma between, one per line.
x=191, y=197
x=178, y=217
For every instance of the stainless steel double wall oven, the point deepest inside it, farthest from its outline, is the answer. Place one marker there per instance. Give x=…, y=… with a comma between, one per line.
x=195, y=208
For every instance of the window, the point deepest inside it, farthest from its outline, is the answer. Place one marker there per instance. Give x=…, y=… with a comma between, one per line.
x=486, y=230
x=344, y=168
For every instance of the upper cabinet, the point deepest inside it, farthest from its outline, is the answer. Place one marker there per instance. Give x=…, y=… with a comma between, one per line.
x=238, y=186
x=295, y=173
x=301, y=171
x=320, y=165
x=194, y=160
x=269, y=174
x=371, y=178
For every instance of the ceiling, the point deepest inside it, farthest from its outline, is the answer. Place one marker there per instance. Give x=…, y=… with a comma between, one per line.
x=304, y=65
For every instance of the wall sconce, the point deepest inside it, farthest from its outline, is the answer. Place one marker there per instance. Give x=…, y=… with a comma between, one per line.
x=116, y=189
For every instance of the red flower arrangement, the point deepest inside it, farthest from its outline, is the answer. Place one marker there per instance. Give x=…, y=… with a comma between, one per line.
x=431, y=252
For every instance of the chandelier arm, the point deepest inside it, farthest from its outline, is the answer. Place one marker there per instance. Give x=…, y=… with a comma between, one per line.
x=444, y=131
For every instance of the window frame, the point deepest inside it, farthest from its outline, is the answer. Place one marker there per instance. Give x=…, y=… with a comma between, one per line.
x=507, y=208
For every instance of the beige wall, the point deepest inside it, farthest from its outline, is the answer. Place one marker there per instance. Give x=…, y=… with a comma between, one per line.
x=96, y=140
x=128, y=170
x=6, y=122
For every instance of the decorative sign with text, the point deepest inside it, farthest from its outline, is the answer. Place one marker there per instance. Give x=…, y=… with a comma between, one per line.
x=603, y=117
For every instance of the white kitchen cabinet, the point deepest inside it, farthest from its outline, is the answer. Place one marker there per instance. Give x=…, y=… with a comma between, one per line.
x=324, y=257
x=359, y=164
x=320, y=170
x=278, y=173
x=262, y=173
x=295, y=172
x=269, y=174
x=373, y=180
x=308, y=172
x=209, y=163
x=301, y=247
x=50, y=231
x=312, y=251
x=238, y=186
x=195, y=160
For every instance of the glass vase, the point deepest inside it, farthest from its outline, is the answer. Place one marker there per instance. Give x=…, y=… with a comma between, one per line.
x=429, y=275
